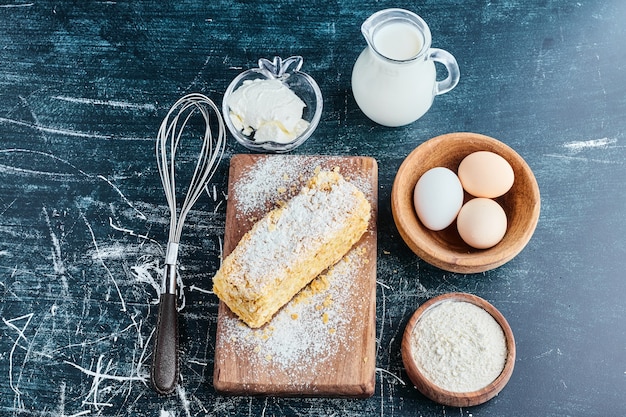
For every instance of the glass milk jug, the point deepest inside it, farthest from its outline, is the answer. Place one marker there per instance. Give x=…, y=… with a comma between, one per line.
x=394, y=78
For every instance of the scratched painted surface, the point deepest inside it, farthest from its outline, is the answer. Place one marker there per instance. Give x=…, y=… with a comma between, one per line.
x=83, y=222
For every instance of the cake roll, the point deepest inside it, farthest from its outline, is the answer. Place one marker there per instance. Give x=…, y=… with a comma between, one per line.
x=290, y=246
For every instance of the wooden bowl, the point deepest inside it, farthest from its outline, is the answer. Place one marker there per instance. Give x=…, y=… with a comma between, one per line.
x=445, y=249
x=442, y=396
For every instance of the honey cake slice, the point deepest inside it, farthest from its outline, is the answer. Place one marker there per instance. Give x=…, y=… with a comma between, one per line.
x=290, y=246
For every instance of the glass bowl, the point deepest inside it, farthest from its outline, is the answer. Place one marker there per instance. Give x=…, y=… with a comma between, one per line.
x=303, y=85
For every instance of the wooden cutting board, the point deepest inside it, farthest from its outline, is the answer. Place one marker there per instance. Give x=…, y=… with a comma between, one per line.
x=322, y=343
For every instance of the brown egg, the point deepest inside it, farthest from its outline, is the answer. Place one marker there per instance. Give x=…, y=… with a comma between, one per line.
x=485, y=174
x=481, y=223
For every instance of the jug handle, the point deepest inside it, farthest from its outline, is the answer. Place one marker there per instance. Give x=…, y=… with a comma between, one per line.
x=448, y=60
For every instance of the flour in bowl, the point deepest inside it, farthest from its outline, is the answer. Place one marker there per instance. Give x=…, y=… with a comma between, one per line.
x=459, y=346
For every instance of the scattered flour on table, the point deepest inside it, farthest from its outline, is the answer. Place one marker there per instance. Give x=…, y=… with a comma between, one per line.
x=459, y=346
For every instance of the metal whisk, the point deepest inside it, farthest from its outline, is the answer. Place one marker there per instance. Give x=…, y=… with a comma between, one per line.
x=165, y=357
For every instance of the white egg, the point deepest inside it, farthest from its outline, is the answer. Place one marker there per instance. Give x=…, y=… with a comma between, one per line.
x=438, y=197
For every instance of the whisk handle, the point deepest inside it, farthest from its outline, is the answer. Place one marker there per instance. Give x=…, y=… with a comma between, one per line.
x=165, y=355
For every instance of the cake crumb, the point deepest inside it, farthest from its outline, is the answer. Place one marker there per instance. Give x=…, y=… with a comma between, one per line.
x=327, y=301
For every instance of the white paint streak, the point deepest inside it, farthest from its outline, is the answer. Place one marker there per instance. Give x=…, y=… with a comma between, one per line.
x=183, y=399
x=62, y=399
x=583, y=159
x=549, y=352
x=386, y=372
x=197, y=362
x=11, y=6
x=81, y=413
x=7, y=168
x=382, y=284
x=143, y=355
x=131, y=232
x=82, y=344
x=138, y=328
x=52, y=130
x=32, y=113
x=578, y=146
x=5, y=210
x=101, y=373
x=110, y=103
x=93, y=238
x=105, y=376
x=194, y=288
x=57, y=261
x=20, y=333
x=116, y=250
x=217, y=206
x=66, y=132
x=141, y=215
x=143, y=274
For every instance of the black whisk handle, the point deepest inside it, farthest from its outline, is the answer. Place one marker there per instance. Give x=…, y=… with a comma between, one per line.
x=165, y=355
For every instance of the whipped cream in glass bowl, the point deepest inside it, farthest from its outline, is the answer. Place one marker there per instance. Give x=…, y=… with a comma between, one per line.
x=273, y=108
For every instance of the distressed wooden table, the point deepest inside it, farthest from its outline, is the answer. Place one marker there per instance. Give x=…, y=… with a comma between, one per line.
x=83, y=220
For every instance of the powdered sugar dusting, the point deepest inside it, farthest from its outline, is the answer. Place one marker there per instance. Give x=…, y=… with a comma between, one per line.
x=280, y=177
x=309, y=329
x=313, y=218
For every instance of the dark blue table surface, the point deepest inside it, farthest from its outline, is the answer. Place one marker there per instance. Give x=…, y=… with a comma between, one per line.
x=83, y=220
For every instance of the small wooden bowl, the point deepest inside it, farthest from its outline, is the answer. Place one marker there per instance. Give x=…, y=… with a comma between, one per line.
x=445, y=249
x=440, y=395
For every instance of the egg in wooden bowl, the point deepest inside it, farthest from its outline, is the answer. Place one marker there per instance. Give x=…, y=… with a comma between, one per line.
x=446, y=248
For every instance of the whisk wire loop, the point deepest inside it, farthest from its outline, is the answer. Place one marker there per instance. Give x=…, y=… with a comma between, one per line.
x=168, y=139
